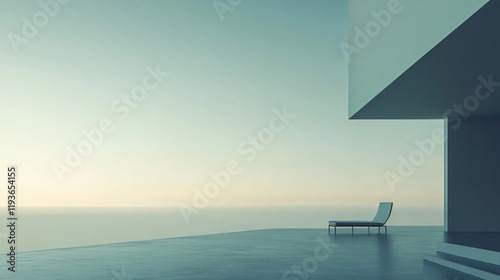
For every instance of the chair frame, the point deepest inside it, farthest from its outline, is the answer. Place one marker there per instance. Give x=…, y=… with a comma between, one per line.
x=363, y=223
x=352, y=228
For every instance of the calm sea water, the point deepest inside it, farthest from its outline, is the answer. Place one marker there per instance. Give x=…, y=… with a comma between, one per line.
x=47, y=228
x=263, y=254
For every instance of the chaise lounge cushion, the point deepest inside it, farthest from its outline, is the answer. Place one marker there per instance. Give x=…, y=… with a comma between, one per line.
x=354, y=224
x=383, y=214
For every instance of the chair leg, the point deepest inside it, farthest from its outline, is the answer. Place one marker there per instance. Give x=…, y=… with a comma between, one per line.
x=352, y=230
x=335, y=230
x=368, y=230
x=385, y=230
x=378, y=230
x=328, y=229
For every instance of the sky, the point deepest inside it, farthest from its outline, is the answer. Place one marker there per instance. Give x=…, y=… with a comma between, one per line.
x=216, y=82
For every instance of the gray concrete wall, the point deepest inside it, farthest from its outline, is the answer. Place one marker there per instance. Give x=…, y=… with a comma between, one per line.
x=472, y=179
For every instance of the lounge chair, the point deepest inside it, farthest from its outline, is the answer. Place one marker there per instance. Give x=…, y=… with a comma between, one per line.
x=383, y=214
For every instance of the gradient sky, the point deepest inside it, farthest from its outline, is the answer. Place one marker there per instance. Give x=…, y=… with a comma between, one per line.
x=225, y=79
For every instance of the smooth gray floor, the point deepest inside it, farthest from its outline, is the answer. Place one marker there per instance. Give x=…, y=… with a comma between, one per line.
x=263, y=254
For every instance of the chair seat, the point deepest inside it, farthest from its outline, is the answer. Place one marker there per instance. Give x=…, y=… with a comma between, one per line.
x=383, y=214
x=354, y=224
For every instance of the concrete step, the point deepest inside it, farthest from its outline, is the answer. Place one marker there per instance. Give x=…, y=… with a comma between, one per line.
x=465, y=269
x=474, y=257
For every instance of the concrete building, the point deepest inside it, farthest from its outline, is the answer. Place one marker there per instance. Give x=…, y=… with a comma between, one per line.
x=440, y=60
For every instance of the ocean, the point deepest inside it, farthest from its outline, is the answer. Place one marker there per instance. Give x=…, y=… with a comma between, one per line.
x=292, y=254
x=50, y=228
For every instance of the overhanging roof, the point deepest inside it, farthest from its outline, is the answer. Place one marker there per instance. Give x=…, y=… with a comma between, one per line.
x=446, y=75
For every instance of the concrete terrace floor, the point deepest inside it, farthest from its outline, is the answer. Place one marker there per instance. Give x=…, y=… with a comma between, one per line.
x=261, y=254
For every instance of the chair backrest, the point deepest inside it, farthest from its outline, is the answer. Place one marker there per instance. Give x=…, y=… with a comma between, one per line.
x=383, y=212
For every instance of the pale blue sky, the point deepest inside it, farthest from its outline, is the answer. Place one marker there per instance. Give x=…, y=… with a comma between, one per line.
x=225, y=79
